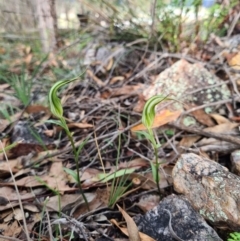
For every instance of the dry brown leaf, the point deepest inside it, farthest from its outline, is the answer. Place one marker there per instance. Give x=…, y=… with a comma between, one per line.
x=146, y=183
x=31, y=207
x=14, y=165
x=143, y=236
x=116, y=79
x=36, y=109
x=148, y=202
x=23, y=149
x=132, y=228
x=222, y=128
x=234, y=60
x=31, y=109
x=188, y=141
x=79, y=125
x=56, y=179
x=135, y=163
x=202, y=117
x=4, y=123
x=160, y=119
x=4, y=86
x=10, y=229
x=98, y=81
x=10, y=194
x=109, y=64
x=68, y=201
x=16, y=214
x=125, y=90
x=220, y=119
x=165, y=174
x=90, y=175
x=50, y=133
x=140, y=104
x=8, y=206
x=100, y=200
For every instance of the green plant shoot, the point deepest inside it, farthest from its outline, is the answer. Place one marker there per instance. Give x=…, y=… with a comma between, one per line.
x=235, y=236
x=148, y=116
x=57, y=110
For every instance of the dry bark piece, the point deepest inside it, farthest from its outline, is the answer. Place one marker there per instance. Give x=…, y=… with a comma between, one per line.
x=186, y=223
x=211, y=189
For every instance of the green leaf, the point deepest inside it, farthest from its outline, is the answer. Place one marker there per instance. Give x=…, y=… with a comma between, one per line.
x=7, y=148
x=154, y=171
x=60, y=122
x=71, y=173
x=114, y=175
x=81, y=147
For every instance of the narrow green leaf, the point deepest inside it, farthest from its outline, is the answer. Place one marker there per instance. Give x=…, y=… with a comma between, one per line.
x=71, y=173
x=154, y=171
x=57, y=122
x=9, y=147
x=81, y=147
x=119, y=173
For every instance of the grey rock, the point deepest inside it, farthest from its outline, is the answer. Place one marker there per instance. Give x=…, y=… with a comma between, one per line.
x=210, y=188
x=186, y=223
x=189, y=83
x=235, y=160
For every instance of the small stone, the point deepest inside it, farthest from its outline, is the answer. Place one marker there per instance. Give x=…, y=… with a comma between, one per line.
x=210, y=188
x=186, y=223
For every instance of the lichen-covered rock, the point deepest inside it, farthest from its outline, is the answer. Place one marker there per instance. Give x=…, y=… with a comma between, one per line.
x=210, y=188
x=235, y=159
x=188, y=83
x=186, y=223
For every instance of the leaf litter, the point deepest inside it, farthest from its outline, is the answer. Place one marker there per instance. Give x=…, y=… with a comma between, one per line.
x=108, y=102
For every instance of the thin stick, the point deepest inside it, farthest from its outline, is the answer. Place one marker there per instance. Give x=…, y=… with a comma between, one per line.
x=222, y=137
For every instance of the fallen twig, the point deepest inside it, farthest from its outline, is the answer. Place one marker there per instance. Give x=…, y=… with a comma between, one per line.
x=222, y=137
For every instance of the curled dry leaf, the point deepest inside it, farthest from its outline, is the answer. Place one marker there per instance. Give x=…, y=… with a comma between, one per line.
x=219, y=118
x=202, y=117
x=98, y=81
x=143, y=236
x=132, y=228
x=80, y=125
x=222, y=128
x=116, y=79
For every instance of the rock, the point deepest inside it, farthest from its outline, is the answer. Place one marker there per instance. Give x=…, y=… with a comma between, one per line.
x=210, y=188
x=235, y=160
x=190, y=84
x=186, y=223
